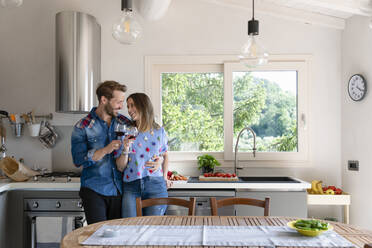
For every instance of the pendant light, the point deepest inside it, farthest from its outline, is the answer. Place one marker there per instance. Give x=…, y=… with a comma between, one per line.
x=126, y=29
x=11, y=3
x=252, y=52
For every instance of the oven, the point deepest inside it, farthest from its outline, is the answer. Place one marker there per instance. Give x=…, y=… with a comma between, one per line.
x=52, y=213
x=49, y=220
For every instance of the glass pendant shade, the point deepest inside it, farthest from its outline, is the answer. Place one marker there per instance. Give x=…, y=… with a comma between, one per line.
x=253, y=53
x=126, y=29
x=11, y=3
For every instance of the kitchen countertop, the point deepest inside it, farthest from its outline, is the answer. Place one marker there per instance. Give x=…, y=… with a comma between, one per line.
x=7, y=185
x=74, y=185
x=302, y=185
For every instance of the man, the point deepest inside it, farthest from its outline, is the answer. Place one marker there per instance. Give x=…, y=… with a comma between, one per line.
x=93, y=145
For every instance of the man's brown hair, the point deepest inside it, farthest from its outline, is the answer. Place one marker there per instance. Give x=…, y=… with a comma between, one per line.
x=107, y=88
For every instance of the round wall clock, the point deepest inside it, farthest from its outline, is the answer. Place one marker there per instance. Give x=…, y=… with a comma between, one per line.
x=357, y=87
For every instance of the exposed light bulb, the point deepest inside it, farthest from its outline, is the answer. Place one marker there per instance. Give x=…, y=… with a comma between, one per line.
x=126, y=26
x=126, y=29
x=10, y=3
x=253, y=53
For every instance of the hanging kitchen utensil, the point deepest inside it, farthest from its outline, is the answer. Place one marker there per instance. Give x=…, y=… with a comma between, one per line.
x=26, y=118
x=33, y=120
x=16, y=124
x=12, y=118
x=34, y=129
x=2, y=131
x=2, y=145
x=17, y=129
x=4, y=113
x=48, y=135
x=2, y=141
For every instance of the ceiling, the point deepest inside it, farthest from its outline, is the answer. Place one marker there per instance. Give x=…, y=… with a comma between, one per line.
x=336, y=8
x=329, y=13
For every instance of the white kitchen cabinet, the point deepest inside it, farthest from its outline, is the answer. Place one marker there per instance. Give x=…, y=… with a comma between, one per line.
x=282, y=203
x=202, y=207
x=344, y=200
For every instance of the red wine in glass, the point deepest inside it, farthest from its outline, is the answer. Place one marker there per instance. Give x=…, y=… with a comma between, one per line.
x=120, y=130
x=119, y=133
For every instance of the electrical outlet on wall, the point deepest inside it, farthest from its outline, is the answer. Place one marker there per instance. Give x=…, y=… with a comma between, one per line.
x=353, y=165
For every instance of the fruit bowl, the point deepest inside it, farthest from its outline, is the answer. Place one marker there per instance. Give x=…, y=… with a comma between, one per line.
x=310, y=233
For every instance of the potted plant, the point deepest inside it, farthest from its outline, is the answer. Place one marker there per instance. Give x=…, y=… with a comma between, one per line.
x=207, y=163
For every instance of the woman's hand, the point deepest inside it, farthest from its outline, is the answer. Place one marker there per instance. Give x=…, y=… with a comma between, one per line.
x=127, y=143
x=169, y=183
x=154, y=165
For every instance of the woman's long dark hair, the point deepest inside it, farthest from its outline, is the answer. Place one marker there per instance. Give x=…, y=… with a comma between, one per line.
x=146, y=112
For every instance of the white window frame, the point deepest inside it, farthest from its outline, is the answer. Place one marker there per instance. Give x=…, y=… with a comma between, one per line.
x=155, y=65
x=302, y=99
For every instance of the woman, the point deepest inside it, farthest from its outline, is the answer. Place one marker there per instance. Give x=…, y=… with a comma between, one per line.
x=141, y=176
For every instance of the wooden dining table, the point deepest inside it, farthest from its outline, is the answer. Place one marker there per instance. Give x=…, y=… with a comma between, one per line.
x=355, y=235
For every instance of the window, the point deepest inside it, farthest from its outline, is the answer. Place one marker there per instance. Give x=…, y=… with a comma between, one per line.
x=192, y=110
x=266, y=101
x=204, y=102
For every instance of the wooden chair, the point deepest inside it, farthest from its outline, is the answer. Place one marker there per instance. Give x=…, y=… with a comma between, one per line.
x=368, y=245
x=165, y=201
x=215, y=204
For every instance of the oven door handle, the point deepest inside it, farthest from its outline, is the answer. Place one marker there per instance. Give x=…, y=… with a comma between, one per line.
x=33, y=232
x=78, y=222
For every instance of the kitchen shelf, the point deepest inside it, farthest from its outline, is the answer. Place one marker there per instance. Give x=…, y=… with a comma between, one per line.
x=344, y=199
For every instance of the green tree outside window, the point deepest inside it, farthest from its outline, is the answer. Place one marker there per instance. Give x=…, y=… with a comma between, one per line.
x=192, y=112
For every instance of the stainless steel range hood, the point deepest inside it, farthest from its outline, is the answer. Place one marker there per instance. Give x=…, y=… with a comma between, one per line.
x=78, y=61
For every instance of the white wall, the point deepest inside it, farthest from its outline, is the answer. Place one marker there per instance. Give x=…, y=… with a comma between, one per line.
x=356, y=129
x=189, y=27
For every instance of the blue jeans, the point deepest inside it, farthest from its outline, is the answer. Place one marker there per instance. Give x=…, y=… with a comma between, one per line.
x=146, y=188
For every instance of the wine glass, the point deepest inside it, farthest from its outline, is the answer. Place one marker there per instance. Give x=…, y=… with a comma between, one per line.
x=125, y=130
x=131, y=132
x=120, y=130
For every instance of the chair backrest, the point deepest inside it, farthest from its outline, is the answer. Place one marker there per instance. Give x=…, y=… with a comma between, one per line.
x=165, y=201
x=215, y=204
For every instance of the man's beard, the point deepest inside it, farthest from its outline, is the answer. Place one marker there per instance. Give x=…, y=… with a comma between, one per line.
x=110, y=110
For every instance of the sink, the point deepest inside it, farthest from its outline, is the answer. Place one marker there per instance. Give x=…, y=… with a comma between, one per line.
x=250, y=180
x=267, y=180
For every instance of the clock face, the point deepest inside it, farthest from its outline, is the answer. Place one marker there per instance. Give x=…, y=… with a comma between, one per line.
x=357, y=87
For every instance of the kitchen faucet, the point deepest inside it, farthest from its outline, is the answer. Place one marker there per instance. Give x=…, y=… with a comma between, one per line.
x=2, y=140
x=2, y=148
x=237, y=143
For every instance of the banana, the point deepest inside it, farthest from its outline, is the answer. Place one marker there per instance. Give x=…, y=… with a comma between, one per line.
x=319, y=188
x=314, y=187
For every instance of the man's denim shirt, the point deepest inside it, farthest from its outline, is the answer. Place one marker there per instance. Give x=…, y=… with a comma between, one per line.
x=90, y=134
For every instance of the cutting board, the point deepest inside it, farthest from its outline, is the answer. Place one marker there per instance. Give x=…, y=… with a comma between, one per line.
x=203, y=178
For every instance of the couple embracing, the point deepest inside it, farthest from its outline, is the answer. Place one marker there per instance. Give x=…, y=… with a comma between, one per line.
x=117, y=170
